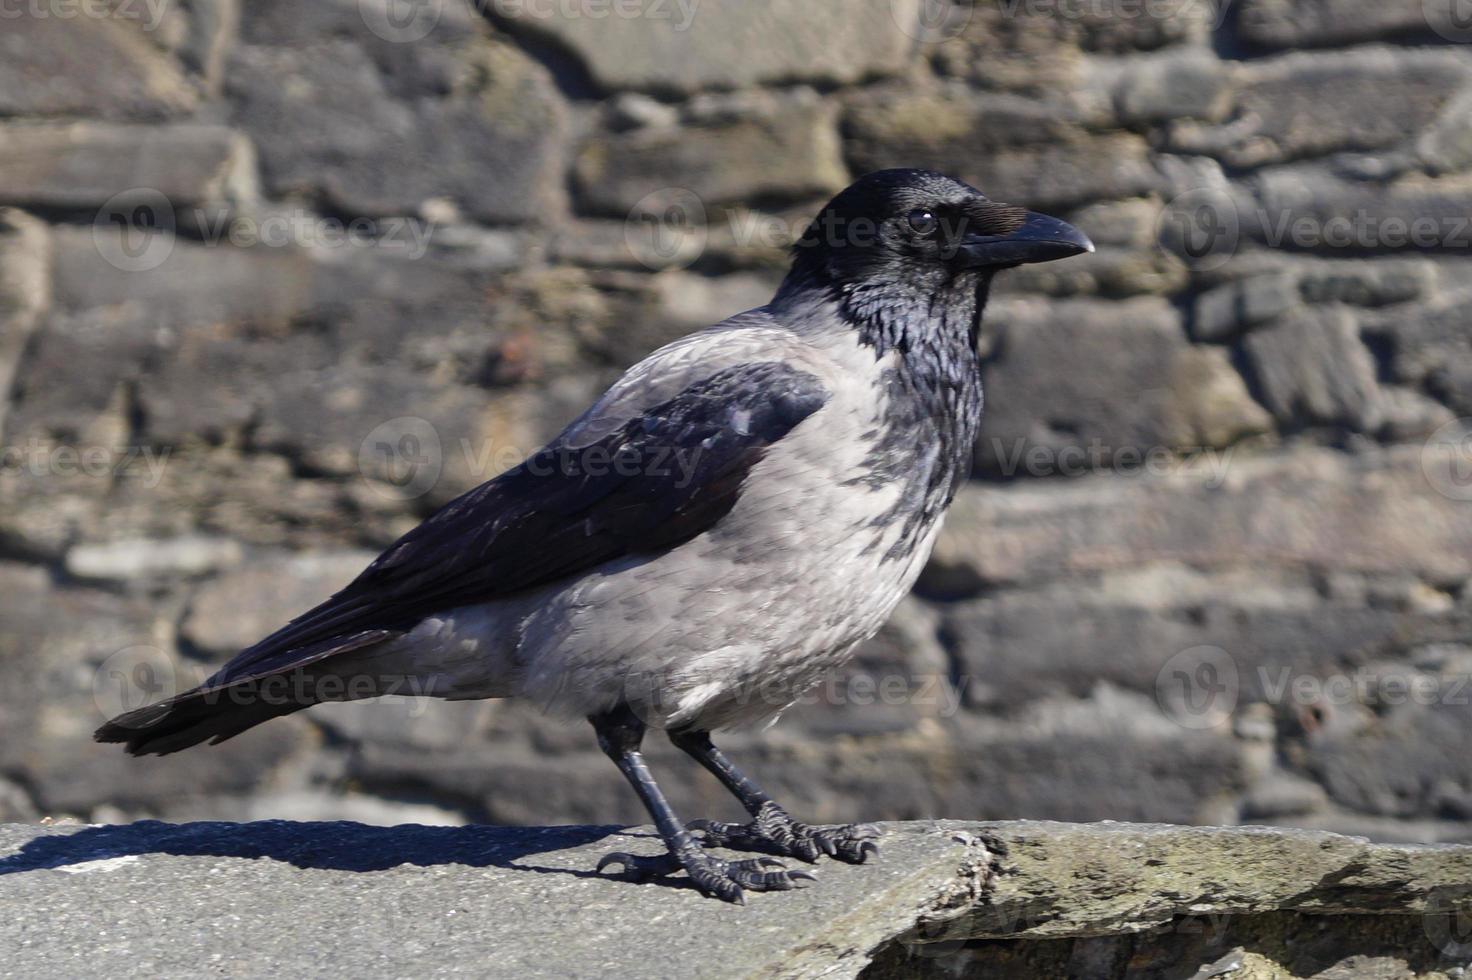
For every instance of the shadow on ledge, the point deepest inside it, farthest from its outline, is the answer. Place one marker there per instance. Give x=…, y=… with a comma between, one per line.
x=333, y=846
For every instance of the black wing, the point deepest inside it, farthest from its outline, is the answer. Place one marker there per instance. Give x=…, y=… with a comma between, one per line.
x=662, y=478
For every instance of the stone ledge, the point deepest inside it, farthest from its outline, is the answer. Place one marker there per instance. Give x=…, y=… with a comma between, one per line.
x=151, y=899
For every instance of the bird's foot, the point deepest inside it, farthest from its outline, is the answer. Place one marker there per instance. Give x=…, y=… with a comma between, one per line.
x=726, y=880
x=774, y=832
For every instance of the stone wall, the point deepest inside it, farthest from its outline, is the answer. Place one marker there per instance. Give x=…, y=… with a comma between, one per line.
x=277, y=279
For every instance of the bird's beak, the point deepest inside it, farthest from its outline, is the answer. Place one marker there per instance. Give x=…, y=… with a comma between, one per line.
x=1039, y=239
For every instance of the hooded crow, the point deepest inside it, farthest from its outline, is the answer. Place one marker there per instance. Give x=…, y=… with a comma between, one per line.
x=738, y=512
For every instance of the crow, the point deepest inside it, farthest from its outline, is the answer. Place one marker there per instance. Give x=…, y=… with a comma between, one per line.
x=725, y=524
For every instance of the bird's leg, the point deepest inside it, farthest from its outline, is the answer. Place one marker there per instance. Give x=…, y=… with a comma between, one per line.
x=620, y=733
x=771, y=830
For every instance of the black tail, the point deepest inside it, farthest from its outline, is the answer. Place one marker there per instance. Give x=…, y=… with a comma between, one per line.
x=203, y=714
x=233, y=700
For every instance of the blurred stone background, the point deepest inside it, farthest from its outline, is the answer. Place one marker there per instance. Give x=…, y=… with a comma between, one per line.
x=278, y=279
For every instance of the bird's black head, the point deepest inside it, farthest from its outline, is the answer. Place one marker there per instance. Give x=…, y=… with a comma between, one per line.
x=898, y=238
x=926, y=227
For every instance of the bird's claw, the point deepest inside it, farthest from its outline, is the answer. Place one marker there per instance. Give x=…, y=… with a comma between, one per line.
x=640, y=867
x=852, y=843
x=774, y=832
x=771, y=832
x=726, y=880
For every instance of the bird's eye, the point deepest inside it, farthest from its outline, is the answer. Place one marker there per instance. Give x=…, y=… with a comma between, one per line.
x=922, y=222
